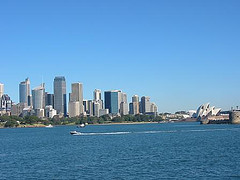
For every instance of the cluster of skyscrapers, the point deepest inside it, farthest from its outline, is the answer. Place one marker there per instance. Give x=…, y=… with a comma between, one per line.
x=43, y=104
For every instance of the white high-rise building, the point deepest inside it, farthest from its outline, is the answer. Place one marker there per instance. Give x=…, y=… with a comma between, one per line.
x=50, y=112
x=96, y=107
x=154, y=108
x=1, y=90
x=103, y=112
x=97, y=95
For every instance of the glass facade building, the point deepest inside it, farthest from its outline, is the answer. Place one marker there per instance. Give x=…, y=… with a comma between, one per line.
x=60, y=99
x=112, y=101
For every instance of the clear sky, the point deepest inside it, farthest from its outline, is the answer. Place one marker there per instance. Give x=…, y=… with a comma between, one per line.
x=181, y=53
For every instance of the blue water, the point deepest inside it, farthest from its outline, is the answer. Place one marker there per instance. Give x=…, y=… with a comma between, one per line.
x=145, y=151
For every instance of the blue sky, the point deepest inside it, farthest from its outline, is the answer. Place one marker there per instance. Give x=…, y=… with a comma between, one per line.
x=180, y=53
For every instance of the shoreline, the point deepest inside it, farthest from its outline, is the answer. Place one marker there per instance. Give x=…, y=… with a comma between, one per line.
x=105, y=124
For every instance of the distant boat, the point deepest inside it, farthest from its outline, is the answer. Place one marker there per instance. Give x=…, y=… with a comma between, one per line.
x=81, y=126
x=75, y=133
x=49, y=126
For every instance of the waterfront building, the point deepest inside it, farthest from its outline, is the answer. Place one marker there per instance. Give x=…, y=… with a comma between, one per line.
x=38, y=97
x=24, y=92
x=206, y=110
x=39, y=113
x=60, y=100
x=153, y=108
x=1, y=90
x=50, y=112
x=76, y=100
x=28, y=111
x=112, y=101
x=16, y=109
x=103, y=112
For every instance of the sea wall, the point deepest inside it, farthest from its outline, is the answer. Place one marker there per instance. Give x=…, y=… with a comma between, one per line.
x=234, y=117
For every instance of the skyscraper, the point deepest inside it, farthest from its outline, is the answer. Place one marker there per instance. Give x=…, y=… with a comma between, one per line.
x=96, y=108
x=60, y=99
x=38, y=97
x=1, y=90
x=49, y=99
x=134, y=106
x=112, y=101
x=76, y=107
x=145, y=104
x=24, y=92
x=123, y=104
x=77, y=92
x=97, y=95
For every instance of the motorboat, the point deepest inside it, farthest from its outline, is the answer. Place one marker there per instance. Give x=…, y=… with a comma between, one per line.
x=81, y=126
x=74, y=133
x=49, y=126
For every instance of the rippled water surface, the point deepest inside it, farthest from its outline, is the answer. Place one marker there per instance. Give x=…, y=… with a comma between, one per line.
x=144, y=151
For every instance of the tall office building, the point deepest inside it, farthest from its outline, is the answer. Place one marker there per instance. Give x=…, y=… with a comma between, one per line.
x=77, y=92
x=60, y=99
x=49, y=99
x=1, y=90
x=5, y=105
x=96, y=108
x=154, y=108
x=24, y=92
x=74, y=108
x=76, y=100
x=38, y=97
x=97, y=95
x=145, y=104
x=90, y=108
x=123, y=104
x=112, y=101
x=134, y=106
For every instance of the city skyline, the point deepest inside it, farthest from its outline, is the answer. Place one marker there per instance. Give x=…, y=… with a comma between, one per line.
x=181, y=53
x=130, y=98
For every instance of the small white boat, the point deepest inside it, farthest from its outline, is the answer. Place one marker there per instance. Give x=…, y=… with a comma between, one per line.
x=49, y=126
x=74, y=133
x=81, y=126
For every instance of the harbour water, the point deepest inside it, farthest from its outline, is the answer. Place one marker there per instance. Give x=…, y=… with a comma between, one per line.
x=136, y=151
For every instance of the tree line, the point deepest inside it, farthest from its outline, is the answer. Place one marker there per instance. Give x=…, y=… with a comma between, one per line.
x=15, y=121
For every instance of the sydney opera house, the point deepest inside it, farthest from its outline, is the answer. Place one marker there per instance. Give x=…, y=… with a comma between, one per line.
x=206, y=110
